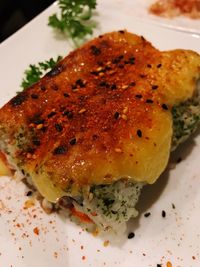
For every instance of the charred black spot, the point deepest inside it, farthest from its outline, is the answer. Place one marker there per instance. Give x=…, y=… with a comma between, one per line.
x=69, y=114
x=34, y=96
x=51, y=114
x=55, y=71
x=80, y=83
x=18, y=100
x=60, y=150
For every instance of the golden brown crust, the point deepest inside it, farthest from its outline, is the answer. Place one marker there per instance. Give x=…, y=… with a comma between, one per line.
x=93, y=118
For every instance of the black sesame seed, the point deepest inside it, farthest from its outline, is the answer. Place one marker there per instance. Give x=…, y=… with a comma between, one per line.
x=163, y=213
x=139, y=133
x=131, y=235
x=58, y=127
x=38, y=121
x=148, y=65
x=132, y=84
x=60, y=150
x=159, y=65
x=66, y=95
x=173, y=206
x=95, y=50
x=80, y=83
x=29, y=193
x=43, y=88
x=147, y=214
x=51, y=114
x=138, y=96
x=69, y=114
x=34, y=96
x=116, y=115
x=164, y=106
x=102, y=84
x=149, y=101
x=154, y=87
x=107, y=68
x=72, y=141
x=55, y=71
x=96, y=73
x=117, y=59
x=113, y=86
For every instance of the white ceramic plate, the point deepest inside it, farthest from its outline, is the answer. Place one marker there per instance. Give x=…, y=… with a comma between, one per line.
x=29, y=237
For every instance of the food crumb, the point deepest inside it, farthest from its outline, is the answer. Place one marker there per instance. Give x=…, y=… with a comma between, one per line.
x=173, y=206
x=106, y=243
x=193, y=257
x=83, y=258
x=36, y=231
x=82, y=247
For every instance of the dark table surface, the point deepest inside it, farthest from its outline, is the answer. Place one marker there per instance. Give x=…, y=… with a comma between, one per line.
x=15, y=13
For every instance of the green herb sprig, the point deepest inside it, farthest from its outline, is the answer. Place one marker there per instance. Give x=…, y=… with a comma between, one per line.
x=74, y=18
x=36, y=71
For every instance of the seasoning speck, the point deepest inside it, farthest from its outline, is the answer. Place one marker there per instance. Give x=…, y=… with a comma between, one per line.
x=131, y=235
x=106, y=243
x=173, y=206
x=36, y=231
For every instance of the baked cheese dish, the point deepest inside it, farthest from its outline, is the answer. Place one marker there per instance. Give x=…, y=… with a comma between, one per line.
x=100, y=125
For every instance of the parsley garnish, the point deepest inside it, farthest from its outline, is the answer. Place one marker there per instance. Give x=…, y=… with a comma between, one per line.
x=35, y=72
x=74, y=18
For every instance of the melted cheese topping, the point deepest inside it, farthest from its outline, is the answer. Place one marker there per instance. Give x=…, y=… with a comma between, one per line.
x=111, y=102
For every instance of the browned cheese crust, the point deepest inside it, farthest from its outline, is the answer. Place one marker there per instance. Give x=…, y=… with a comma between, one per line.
x=101, y=114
